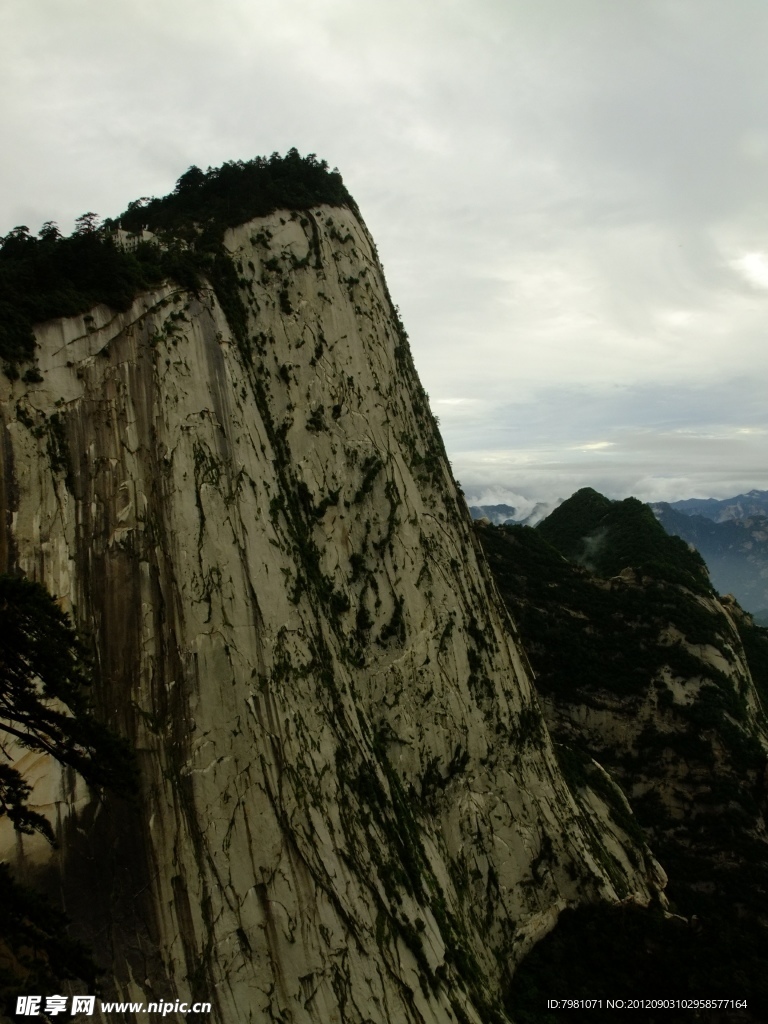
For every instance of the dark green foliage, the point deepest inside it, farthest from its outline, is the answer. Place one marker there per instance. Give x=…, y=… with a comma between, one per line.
x=591, y=641
x=549, y=598
x=239, y=191
x=395, y=628
x=620, y=649
x=50, y=276
x=224, y=279
x=755, y=640
x=316, y=421
x=567, y=525
x=400, y=861
x=35, y=952
x=371, y=468
x=58, y=447
x=608, y=536
x=629, y=952
x=363, y=623
x=44, y=680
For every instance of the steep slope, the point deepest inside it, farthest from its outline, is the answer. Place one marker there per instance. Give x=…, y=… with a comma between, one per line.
x=350, y=809
x=662, y=684
x=606, y=536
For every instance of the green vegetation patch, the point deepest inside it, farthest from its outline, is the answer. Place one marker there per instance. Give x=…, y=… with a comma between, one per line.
x=696, y=761
x=584, y=635
x=627, y=951
x=47, y=276
x=607, y=536
x=755, y=641
x=44, y=688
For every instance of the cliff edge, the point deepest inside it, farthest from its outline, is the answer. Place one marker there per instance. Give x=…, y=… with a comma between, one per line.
x=350, y=806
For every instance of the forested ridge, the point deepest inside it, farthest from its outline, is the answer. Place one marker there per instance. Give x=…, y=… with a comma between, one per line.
x=49, y=275
x=605, y=624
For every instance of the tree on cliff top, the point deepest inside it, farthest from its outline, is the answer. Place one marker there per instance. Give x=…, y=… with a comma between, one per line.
x=51, y=276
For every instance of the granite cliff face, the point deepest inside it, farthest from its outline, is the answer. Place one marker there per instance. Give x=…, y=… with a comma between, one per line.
x=350, y=807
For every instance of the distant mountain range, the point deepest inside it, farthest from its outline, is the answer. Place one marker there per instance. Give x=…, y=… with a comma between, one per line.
x=732, y=537
x=506, y=515
x=743, y=506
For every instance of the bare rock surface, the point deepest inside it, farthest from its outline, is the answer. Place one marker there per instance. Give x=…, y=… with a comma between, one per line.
x=350, y=806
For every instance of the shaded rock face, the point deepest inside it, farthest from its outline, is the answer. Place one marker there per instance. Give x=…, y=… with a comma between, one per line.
x=665, y=687
x=350, y=809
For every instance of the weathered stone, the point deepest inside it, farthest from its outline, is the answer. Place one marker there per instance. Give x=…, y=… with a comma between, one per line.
x=350, y=806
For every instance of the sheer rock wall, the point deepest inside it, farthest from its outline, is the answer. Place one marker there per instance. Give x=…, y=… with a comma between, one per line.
x=350, y=808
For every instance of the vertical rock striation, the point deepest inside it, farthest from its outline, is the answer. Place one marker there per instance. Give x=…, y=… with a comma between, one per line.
x=350, y=807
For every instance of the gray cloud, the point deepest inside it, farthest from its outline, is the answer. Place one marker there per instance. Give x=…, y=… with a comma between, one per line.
x=653, y=442
x=568, y=196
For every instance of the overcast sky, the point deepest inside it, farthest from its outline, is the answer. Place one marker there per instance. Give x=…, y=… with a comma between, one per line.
x=570, y=198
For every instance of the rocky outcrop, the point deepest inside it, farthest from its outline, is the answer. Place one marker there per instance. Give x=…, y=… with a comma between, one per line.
x=663, y=684
x=350, y=809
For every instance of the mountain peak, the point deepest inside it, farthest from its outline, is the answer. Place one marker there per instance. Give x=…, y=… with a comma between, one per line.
x=608, y=536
